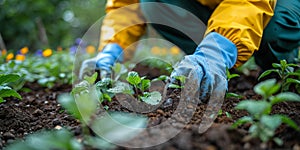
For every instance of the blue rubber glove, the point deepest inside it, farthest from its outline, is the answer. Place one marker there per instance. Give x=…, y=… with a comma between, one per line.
x=110, y=54
x=210, y=59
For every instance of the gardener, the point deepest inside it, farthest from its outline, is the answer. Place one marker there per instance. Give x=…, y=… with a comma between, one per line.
x=236, y=30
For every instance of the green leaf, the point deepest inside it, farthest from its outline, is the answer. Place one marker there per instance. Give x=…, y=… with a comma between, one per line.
x=1, y=100
x=241, y=121
x=278, y=141
x=91, y=79
x=229, y=95
x=275, y=65
x=6, y=91
x=153, y=98
x=272, y=122
x=107, y=97
x=104, y=83
x=7, y=78
x=174, y=86
x=68, y=102
x=145, y=84
x=181, y=79
x=161, y=78
x=81, y=87
x=291, y=80
x=286, y=96
x=133, y=78
x=254, y=107
x=288, y=121
x=267, y=72
x=55, y=139
x=267, y=88
x=121, y=87
x=119, y=69
x=119, y=127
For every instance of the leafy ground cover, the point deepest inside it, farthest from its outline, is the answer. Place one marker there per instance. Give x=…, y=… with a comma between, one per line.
x=39, y=109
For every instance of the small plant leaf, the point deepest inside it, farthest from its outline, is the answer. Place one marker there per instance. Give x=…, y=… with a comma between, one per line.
x=254, y=107
x=278, y=141
x=291, y=80
x=81, y=87
x=161, y=78
x=288, y=121
x=229, y=95
x=152, y=98
x=174, y=86
x=267, y=88
x=145, y=84
x=275, y=65
x=118, y=127
x=272, y=122
x=133, y=78
x=181, y=79
x=286, y=96
x=7, y=78
x=68, y=102
x=267, y=72
x=91, y=79
x=121, y=87
x=241, y=121
x=6, y=91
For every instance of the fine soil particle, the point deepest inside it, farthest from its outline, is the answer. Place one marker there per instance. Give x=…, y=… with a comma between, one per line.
x=39, y=110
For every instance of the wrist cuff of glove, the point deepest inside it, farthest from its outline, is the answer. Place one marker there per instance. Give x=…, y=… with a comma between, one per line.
x=215, y=41
x=114, y=50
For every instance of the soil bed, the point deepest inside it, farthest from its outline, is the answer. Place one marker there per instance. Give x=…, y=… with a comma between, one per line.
x=39, y=110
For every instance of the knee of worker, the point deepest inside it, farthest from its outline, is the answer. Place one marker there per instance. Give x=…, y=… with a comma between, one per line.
x=282, y=33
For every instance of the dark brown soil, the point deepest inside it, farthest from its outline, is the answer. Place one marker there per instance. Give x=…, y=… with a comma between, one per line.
x=39, y=109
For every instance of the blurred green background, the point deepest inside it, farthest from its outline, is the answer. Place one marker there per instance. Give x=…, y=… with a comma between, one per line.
x=46, y=23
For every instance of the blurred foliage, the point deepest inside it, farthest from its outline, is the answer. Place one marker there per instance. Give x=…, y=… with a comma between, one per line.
x=63, y=21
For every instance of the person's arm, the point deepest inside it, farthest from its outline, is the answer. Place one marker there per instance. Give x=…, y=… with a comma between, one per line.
x=123, y=24
x=242, y=22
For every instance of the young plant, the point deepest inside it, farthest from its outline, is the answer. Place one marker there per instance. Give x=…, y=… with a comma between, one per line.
x=180, y=81
x=263, y=124
x=285, y=71
x=5, y=90
x=138, y=88
x=229, y=77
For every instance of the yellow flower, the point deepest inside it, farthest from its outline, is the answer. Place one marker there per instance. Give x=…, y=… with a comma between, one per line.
x=24, y=50
x=155, y=50
x=20, y=57
x=10, y=56
x=175, y=50
x=3, y=52
x=47, y=52
x=90, y=49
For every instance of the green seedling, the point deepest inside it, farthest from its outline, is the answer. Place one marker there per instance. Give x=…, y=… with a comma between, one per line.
x=285, y=72
x=138, y=88
x=5, y=90
x=263, y=124
x=180, y=85
x=229, y=77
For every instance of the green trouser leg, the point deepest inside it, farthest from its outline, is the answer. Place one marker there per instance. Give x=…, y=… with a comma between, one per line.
x=184, y=19
x=281, y=37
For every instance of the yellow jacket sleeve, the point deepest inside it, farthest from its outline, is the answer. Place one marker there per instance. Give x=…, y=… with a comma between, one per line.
x=242, y=22
x=123, y=23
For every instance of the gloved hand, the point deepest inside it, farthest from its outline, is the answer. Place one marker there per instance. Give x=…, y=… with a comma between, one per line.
x=210, y=60
x=110, y=54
